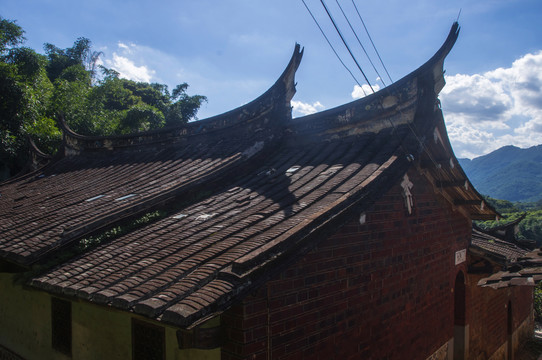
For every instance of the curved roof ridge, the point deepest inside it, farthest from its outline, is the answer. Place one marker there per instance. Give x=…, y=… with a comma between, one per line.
x=276, y=100
x=435, y=63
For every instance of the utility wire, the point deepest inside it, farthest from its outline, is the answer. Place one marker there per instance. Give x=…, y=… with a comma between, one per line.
x=440, y=171
x=345, y=44
x=420, y=142
x=374, y=47
x=359, y=42
x=332, y=48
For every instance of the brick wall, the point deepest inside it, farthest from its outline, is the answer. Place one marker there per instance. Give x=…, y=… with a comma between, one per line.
x=489, y=316
x=382, y=290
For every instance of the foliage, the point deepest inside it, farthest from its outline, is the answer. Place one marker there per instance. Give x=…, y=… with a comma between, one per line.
x=538, y=302
x=25, y=92
x=80, y=54
x=11, y=34
x=113, y=233
x=184, y=106
x=35, y=89
x=503, y=206
x=530, y=228
x=91, y=242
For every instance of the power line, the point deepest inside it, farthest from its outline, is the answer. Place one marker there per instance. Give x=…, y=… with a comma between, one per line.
x=374, y=47
x=345, y=44
x=332, y=48
x=359, y=41
x=420, y=142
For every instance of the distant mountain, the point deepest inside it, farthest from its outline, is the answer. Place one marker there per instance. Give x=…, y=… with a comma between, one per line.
x=509, y=173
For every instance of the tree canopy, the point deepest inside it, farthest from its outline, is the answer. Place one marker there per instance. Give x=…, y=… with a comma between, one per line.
x=94, y=100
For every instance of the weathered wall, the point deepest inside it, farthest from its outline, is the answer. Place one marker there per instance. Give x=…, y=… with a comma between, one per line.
x=382, y=290
x=489, y=318
x=97, y=332
x=25, y=325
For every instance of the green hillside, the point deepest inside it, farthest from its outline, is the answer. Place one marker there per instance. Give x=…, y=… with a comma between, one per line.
x=509, y=173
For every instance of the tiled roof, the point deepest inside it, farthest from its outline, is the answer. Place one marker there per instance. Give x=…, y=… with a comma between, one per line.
x=102, y=180
x=501, y=251
x=520, y=266
x=197, y=260
x=76, y=195
x=307, y=177
x=524, y=270
x=527, y=271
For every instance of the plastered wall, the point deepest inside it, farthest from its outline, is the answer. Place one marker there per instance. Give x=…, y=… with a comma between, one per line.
x=98, y=332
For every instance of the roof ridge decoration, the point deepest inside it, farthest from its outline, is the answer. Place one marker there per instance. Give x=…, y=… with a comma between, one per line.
x=275, y=101
x=388, y=105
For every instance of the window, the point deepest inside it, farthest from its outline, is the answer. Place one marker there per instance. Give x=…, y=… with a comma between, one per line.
x=148, y=341
x=61, y=325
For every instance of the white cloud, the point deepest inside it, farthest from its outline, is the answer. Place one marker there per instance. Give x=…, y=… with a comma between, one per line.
x=301, y=108
x=364, y=90
x=124, y=46
x=500, y=107
x=123, y=61
x=128, y=70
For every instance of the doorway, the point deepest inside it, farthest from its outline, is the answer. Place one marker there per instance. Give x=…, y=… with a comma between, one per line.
x=460, y=326
x=510, y=328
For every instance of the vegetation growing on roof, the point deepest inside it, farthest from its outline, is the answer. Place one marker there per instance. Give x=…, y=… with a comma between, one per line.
x=36, y=88
x=89, y=242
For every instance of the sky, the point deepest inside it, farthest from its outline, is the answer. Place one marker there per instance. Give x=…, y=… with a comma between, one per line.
x=233, y=50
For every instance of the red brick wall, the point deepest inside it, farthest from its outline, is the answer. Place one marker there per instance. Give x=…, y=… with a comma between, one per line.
x=489, y=316
x=382, y=290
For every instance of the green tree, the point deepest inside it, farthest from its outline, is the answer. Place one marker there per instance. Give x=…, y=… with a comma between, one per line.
x=531, y=226
x=183, y=107
x=25, y=93
x=35, y=88
x=80, y=54
x=11, y=35
x=138, y=106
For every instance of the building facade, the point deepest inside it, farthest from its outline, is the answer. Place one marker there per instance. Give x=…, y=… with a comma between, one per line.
x=345, y=234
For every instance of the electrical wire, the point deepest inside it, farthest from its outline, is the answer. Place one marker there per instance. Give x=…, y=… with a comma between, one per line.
x=374, y=47
x=332, y=48
x=360, y=44
x=345, y=44
x=440, y=172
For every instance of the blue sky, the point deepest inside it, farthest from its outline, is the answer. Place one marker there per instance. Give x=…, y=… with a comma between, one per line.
x=233, y=50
